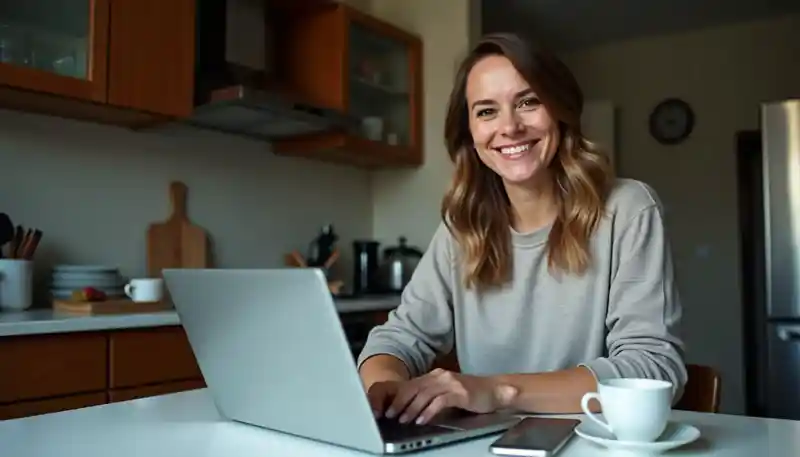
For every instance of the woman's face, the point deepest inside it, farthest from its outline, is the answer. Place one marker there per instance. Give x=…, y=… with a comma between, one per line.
x=512, y=131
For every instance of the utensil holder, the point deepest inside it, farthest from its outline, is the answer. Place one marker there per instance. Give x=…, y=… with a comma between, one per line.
x=16, y=284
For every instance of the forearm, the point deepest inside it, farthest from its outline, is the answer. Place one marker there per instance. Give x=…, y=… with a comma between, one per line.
x=649, y=358
x=556, y=392
x=382, y=367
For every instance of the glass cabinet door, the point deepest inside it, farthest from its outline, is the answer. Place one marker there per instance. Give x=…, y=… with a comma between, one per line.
x=380, y=86
x=47, y=35
x=55, y=46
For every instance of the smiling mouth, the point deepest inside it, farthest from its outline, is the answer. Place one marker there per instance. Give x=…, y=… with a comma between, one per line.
x=516, y=150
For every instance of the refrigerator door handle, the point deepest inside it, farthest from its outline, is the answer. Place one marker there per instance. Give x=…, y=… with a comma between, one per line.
x=789, y=334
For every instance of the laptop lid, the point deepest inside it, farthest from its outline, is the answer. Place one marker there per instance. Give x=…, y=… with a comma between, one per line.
x=273, y=352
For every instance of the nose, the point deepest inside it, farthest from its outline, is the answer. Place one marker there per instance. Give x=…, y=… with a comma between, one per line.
x=510, y=123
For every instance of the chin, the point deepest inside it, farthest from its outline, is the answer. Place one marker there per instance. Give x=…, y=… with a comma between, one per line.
x=518, y=176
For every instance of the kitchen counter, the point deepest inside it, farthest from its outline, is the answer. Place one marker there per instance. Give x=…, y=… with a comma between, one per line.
x=376, y=303
x=187, y=424
x=42, y=321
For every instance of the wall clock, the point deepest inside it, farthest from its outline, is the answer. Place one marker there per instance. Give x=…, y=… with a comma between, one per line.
x=671, y=121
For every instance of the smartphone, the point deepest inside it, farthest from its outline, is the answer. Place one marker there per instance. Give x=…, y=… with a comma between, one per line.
x=535, y=437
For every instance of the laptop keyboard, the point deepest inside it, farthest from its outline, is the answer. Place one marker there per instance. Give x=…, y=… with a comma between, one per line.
x=393, y=430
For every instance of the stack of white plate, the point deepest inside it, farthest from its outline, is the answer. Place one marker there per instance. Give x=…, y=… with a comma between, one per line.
x=69, y=278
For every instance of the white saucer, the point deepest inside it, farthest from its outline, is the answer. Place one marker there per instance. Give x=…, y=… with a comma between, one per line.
x=674, y=436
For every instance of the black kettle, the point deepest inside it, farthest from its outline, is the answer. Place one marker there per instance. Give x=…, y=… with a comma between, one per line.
x=397, y=266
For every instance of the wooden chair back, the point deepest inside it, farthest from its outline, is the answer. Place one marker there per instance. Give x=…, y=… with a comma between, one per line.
x=702, y=391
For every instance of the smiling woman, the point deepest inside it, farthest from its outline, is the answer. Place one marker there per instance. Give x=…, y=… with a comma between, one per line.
x=547, y=272
x=522, y=106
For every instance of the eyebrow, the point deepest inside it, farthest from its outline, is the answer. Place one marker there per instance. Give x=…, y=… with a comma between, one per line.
x=519, y=94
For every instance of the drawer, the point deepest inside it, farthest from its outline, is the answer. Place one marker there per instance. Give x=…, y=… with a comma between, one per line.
x=151, y=356
x=38, y=366
x=154, y=390
x=52, y=405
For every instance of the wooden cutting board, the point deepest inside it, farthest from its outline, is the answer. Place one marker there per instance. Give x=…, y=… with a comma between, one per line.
x=111, y=306
x=176, y=242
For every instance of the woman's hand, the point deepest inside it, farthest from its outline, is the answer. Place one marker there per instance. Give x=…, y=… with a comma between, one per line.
x=420, y=399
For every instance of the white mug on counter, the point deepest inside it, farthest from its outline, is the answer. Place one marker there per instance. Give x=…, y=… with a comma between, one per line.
x=145, y=289
x=16, y=284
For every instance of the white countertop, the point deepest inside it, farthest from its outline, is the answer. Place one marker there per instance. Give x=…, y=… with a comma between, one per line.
x=187, y=424
x=42, y=321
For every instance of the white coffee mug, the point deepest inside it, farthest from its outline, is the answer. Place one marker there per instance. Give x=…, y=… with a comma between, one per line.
x=16, y=284
x=372, y=127
x=145, y=289
x=634, y=409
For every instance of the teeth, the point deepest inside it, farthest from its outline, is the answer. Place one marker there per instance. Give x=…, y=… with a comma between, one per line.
x=515, y=149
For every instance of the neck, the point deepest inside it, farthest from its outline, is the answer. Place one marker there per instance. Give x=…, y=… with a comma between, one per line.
x=533, y=204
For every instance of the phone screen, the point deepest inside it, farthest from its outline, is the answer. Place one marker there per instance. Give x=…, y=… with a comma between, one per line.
x=535, y=436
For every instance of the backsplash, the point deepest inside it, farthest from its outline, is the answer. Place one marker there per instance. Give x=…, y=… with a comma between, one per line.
x=94, y=189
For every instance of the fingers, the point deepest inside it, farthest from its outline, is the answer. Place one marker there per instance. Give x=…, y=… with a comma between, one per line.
x=376, y=401
x=378, y=396
x=422, y=400
x=405, y=393
x=410, y=389
x=437, y=405
x=415, y=396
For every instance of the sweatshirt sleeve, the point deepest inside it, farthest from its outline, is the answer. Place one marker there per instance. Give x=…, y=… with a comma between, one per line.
x=644, y=308
x=421, y=327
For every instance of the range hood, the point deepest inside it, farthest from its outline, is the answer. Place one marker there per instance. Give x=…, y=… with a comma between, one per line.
x=264, y=113
x=237, y=89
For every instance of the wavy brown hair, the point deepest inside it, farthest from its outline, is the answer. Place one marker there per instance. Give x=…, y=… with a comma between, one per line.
x=476, y=208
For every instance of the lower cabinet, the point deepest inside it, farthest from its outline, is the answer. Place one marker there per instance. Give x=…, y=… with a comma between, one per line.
x=153, y=390
x=38, y=367
x=48, y=373
x=153, y=356
x=35, y=407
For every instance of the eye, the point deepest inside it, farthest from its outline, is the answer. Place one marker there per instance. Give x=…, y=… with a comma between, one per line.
x=485, y=112
x=530, y=103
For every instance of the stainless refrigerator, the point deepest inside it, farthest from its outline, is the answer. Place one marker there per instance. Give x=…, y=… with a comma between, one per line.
x=769, y=207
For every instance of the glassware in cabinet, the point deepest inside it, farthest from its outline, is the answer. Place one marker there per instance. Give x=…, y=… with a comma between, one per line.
x=379, y=86
x=52, y=46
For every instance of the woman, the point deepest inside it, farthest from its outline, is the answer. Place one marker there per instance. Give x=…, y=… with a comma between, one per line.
x=547, y=273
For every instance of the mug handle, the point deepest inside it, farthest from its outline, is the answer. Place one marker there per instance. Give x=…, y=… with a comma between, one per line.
x=128, y=289
x=585, y=407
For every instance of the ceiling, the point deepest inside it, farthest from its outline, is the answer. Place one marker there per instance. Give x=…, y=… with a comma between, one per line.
x=574, y=24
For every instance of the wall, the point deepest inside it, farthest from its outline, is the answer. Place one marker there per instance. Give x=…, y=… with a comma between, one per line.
x=94, y=189
x=724, y=73
x=598, y=123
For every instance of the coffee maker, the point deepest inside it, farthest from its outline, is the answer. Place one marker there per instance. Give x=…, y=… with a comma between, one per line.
x=365, y=261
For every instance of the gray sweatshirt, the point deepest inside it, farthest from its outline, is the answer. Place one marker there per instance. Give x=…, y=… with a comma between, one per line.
x=619, y=319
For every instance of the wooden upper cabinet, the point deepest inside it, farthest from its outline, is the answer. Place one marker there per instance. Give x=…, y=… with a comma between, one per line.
x=57, y=47
x=338, y=57
x=151, y=56
x=123, y=62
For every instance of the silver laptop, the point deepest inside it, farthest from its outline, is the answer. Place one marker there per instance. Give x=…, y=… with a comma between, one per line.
x=273, y=353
